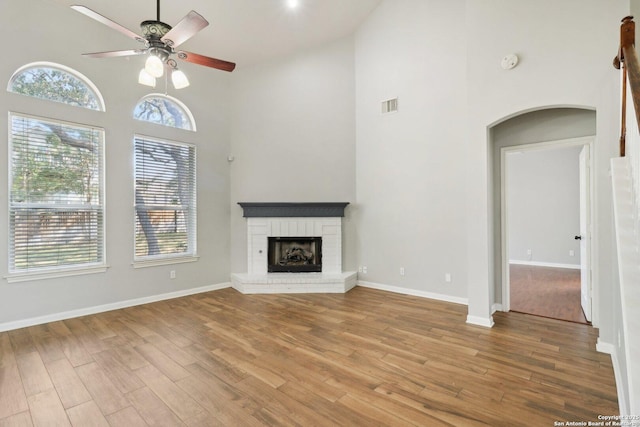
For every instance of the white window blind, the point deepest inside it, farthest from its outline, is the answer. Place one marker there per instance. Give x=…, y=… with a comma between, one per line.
x=56, y=211
x=165, y=199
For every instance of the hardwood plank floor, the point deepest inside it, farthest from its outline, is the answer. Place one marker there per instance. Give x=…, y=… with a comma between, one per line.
x=364, y=358
x=546, y=291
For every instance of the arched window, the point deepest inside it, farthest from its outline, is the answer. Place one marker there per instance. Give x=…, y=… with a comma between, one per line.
x=164, y=110
x=55, y=82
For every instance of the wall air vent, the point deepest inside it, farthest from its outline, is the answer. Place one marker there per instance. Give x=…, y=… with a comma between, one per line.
x=390, y=106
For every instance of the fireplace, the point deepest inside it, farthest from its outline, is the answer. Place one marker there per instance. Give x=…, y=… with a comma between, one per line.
x=294, y=254
x=294, y=248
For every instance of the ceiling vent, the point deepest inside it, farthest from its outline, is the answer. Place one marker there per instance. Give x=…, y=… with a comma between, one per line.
x=390, y=106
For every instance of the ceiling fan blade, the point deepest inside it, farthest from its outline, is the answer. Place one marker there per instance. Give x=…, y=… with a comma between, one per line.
x=206, y=61
x=116, y=53
x=185, y=29
x=106, y=21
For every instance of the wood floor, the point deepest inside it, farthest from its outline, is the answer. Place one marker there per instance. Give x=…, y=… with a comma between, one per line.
x=546, y=291
x=364, y=358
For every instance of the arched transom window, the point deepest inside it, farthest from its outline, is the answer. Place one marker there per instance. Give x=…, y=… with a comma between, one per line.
x=57, y=83
x=164, y=110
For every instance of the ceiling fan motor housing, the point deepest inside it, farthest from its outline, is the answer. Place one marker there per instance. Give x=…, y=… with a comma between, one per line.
x=154, y=29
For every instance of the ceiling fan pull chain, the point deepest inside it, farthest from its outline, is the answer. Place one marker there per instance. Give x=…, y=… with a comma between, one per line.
x=166, y=82
x=158, y=3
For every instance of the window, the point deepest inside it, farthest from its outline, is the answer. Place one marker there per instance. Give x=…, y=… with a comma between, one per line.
x=56, y=211
x=56, y=83
x=164, y=110
x=165, y=199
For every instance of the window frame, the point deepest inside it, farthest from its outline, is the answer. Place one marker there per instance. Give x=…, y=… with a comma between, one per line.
x=45, y=64
x=191, y=221
x=98, y=266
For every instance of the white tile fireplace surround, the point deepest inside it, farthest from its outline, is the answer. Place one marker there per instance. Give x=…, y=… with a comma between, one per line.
x=299, y=220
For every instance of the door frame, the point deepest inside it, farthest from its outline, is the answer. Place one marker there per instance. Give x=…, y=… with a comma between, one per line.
x=504, y=217
x=586, y=299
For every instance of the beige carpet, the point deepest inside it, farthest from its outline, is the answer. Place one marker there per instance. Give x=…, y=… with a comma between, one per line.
x=545, y=291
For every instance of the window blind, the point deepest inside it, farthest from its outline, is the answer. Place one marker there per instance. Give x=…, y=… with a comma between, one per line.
x=56, y=210
x=165, y=199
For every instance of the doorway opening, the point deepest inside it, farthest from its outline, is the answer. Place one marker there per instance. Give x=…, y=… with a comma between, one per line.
x=546, y=229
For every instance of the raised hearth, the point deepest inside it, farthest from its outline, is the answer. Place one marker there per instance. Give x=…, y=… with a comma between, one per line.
x=289, y=283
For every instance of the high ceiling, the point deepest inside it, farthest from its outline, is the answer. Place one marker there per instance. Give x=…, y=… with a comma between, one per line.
x=241, y=31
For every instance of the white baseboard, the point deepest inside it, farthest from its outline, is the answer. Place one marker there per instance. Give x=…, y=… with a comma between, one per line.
x=610, y=349
x=605, y=347
x=23, y=323
x=8, y=326
x=414, y=292
x=496, y=307
x=480, y=321
x=544, y=264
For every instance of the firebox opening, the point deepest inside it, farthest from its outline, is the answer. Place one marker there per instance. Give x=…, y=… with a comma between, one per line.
x=294, y=254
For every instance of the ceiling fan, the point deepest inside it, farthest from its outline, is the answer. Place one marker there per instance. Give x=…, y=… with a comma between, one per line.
x=160, y=42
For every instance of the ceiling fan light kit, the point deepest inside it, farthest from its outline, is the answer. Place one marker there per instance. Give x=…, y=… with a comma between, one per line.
x=146, y=79
x=179, y=79
x=154, y=66
x=160, y=39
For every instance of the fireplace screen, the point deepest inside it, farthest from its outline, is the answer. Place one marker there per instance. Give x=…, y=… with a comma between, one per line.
x=295, y=254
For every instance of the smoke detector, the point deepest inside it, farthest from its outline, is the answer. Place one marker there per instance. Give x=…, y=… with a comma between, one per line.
x=509, y=61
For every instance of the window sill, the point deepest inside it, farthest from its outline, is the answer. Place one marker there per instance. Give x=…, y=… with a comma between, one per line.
x=54, y=274
x=164, y=261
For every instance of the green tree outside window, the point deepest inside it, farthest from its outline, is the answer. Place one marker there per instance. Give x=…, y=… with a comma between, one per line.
x=56, y=83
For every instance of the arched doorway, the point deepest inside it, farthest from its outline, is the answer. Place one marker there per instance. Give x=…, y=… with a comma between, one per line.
x=553, y=138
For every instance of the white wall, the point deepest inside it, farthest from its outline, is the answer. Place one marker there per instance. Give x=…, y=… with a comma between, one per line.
x=423, y=174
x=292, y=137
x=33, y=29
x=565, y=49
x=410, y=172
x=543, y=206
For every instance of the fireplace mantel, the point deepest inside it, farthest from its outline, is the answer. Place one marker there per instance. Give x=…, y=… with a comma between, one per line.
x=290, y=210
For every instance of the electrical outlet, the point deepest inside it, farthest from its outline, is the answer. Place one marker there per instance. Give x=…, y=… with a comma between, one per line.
x=172, y=274
x=447, y=277
x=364, y=269
x=402, y=271
x=360, y=269
x=572, y=253
x=528, y=251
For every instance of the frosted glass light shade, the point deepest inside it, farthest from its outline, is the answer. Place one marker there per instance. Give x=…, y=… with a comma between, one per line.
x=154, y=66
x=146, y=79
x=179, y=79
